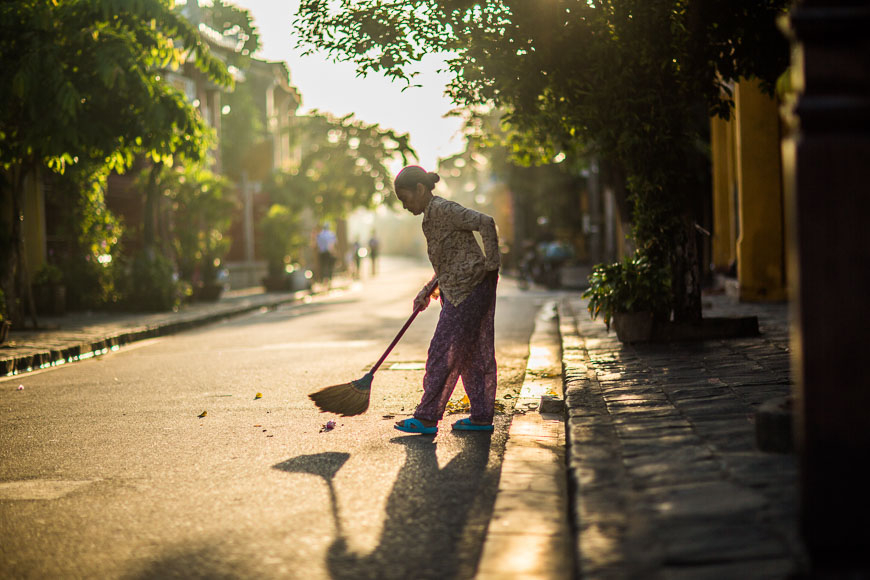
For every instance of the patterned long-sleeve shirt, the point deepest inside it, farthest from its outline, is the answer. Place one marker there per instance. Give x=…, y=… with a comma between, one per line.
x=454, y=252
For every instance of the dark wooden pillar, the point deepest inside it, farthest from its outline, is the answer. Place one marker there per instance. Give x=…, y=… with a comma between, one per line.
x=827, y=171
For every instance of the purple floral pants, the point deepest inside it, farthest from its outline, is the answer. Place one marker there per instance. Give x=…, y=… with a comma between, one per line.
x=463, y=346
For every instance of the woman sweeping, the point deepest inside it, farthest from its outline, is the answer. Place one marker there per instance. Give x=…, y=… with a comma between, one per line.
x=466, y=278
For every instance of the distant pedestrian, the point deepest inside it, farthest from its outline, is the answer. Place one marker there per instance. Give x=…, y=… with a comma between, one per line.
x=326, y=252
x=464, y=341
x=374, y=249
x=357, y=252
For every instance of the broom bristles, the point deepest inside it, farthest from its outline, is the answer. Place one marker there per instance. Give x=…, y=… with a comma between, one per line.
x=346, y=399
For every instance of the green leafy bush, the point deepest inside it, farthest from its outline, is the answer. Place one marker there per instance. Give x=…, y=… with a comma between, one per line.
x=635, y=284
x=48, y=274
x=149, y=284
x=281, y=236
x=86, y=238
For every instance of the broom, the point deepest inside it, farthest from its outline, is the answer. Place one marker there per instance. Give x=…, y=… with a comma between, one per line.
x=348, y=399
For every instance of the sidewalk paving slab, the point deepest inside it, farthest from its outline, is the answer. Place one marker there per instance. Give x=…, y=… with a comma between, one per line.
x=665, y=474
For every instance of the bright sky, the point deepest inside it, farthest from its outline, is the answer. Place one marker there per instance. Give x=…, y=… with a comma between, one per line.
x=335, y=88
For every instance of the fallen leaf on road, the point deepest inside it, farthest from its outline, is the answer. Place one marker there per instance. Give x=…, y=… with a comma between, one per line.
x=257, y=425
x=258, y=396
x=330, y=425
x=203, y=414
x=389, y=417
x=460, y=406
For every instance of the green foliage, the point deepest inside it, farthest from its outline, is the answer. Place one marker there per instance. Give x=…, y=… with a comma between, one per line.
x=202, y=208
x=48, y=274
x=282, y=237
x=236, y=26
x=241, y=133
x=636, y=284
x=242, y=129
x=89, y=236
x=632, y=80
x=543, y=180
x=344, y=166
x=82, y=82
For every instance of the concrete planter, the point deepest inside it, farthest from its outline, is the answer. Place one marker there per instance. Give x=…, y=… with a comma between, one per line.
x=208, y=292
x=633, y=326
x=276, y=283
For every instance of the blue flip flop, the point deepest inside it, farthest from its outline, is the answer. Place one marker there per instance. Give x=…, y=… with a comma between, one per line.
x=415, y=426
x=467, y=425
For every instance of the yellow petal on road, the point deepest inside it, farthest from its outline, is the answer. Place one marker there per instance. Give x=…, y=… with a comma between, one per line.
x=203, y=414
x=258, y=396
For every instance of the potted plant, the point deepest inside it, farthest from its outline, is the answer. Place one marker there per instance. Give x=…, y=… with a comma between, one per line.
x=280, y=237
x=632, y=294
x=212, y=277
x=149, y=283
x=49, y=291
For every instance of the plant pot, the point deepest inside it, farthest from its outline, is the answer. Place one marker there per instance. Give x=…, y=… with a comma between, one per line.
x=208, y=292
x=298, y=281
x=633, y=326
x=276, y=283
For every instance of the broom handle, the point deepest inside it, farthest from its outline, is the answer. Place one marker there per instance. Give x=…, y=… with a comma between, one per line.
x=398, y=336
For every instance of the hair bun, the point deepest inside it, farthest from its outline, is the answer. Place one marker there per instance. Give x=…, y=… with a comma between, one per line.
x=434, y=177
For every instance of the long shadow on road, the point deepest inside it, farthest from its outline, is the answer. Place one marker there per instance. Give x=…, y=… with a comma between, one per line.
x=436, y=518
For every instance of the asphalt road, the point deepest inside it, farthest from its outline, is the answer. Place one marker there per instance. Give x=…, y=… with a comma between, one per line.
x=107, y=470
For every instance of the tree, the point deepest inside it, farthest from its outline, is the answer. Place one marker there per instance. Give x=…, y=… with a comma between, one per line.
x=90, y=235
x=544, y=183
x=241, y=133
x=344, y=165
x=241, y=129
x=283, y=241
x=82, y=84
x=234, y=24
x=634, y=80
x=202, y=210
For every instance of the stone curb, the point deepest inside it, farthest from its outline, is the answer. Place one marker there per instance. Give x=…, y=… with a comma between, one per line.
x=73, y=350
x=529, y=535
x=594, y=462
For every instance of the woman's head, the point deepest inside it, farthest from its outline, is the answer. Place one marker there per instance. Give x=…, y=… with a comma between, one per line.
x=414, y=187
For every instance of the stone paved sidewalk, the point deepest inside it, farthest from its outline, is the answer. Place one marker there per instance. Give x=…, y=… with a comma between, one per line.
x=81, y=335
x=666, y=477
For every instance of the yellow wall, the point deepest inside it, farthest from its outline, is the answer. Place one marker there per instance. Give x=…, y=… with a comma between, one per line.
x=724, y=245
x=748, y=214
x=761, y=244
